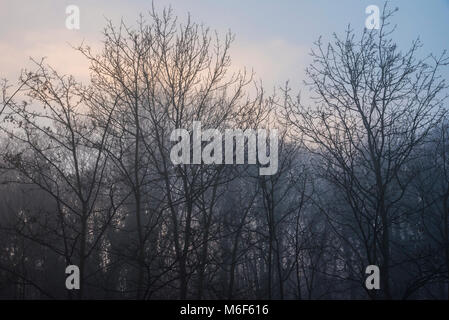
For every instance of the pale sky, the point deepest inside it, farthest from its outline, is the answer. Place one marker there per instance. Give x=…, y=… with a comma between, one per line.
x=272, y=37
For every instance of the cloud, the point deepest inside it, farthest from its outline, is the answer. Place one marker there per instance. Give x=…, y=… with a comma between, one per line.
x=274, y=60
x=55, y=46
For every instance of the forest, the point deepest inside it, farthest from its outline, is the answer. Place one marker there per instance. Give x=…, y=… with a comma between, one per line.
x=86, y=177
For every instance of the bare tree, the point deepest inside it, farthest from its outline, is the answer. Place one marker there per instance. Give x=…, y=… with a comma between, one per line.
x=165, y=78
x=373, y=106
x=57, y=150
x=87, y=176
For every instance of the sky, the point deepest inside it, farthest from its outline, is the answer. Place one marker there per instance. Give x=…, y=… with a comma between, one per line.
x=273, y=38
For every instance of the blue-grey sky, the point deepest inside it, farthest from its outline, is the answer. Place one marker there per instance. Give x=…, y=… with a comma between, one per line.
x=272, y=37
